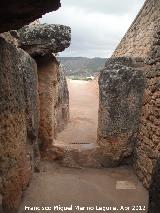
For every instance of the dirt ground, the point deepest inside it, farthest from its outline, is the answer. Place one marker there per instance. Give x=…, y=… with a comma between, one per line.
x=82, y=127
x=86, y=187
x=94, y=190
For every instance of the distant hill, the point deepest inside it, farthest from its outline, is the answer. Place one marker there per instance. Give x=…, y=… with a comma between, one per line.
x=81, y=67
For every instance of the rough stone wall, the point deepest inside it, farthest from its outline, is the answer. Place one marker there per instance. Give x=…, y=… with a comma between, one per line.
x=19, y=107
x=143, y=39
x=30, y=79
x=139, y=39
x=9, y=38
x=121, y=87
x=53, y=95
x=148, y=148
x=40, y=41
x=62, y=102
x=153, y=97
x=18, y=123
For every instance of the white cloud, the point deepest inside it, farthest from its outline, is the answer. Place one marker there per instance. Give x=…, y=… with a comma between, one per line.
x=105, y=6
x=96, y=28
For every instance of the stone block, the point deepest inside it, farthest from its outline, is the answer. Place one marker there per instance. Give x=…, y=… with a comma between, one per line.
x=121, y=91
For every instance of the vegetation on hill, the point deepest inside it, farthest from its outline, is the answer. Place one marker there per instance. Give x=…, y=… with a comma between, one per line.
x=81, y=68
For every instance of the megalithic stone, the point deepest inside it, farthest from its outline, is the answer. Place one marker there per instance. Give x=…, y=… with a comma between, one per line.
x=41, y=39
x=121, y=87
x=17, y=13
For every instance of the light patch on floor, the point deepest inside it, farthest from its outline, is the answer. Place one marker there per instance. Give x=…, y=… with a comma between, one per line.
x=125, y=185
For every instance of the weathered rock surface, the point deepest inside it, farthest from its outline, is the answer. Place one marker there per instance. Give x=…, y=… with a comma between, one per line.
x=143, y=40
x=121, y=90
x=19, y=102
x=62, y=102
x=54, y=103
x=8, y=36
x=18, y=123
x=41, y=39
x=147, y=150
x=16, y=13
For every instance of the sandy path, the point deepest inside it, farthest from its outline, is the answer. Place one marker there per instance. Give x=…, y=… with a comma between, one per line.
x=84, y=187
x=56, y=185
x=82, y=127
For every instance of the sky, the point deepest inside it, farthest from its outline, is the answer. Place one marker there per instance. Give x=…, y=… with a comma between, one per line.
x=97, y=25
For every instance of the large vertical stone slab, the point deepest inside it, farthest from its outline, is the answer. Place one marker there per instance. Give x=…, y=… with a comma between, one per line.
x=54, y=103
x=47, y=78
x=40, y=41
x=18, y=123
x=62, y=102
x=30, y=79
x=121, y=87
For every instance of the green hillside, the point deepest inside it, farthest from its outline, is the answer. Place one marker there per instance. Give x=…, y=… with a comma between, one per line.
x=81, y=67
